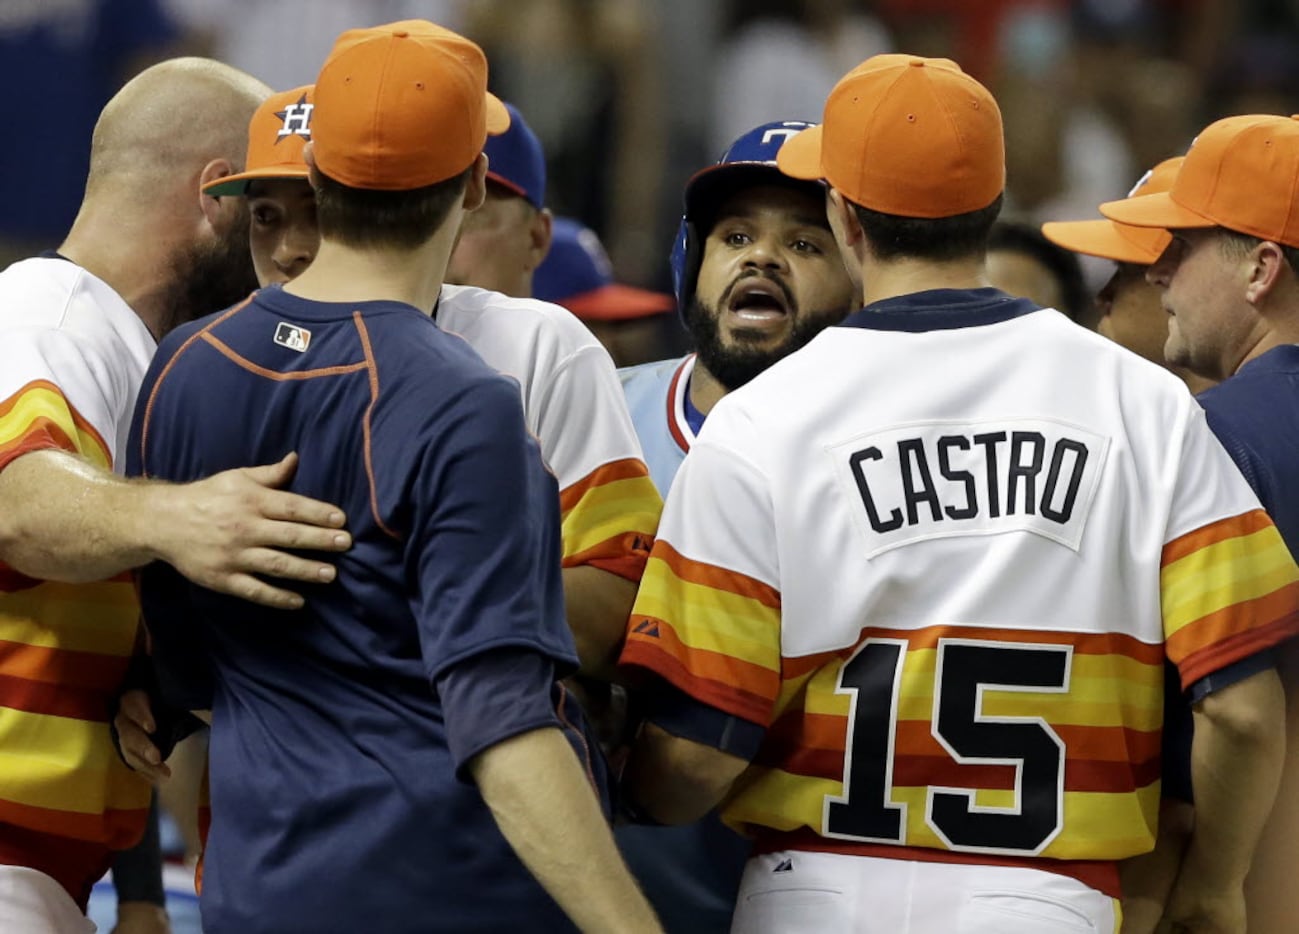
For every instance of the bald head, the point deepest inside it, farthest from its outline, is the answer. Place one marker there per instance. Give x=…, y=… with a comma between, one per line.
x=168, y=122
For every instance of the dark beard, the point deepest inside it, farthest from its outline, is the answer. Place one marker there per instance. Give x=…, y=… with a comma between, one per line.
x=735, y=366
x=210, y=277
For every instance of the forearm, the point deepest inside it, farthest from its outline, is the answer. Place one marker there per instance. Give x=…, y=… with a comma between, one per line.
x=137, y=872
x=182, y=796
x=598, y=604
x=675, y=780
x=545, y=807
x=64, y=519
x=1147, y=879
x=1236, y=760
x=1271, y=896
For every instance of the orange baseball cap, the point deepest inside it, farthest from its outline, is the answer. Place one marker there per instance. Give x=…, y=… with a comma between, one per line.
x=1241, y=173
x=1120, y=242
x=904, y=135
x=402, y=106
x=280, y=128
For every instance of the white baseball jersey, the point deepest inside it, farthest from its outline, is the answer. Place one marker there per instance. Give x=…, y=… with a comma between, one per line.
x=72, y=356
x=941, y=555
x=573, y=403
x=72, y=347
x=656, y=394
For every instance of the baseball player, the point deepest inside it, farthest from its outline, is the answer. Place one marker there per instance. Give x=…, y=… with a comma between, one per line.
x=404, y=754
x=571, y=400
x=570, y=393
x=1130, y=312
x=502, y=243
x=757, y=273
x=783, y=283
x=79, y=327
x=881, y=615
x=559, y=367
x=282, y=232
x=1131, y=316
x=1227, y=278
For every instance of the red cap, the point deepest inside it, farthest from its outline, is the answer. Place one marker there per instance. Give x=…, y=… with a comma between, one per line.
x=1120, y=242
x=402, y=106
x=904, y=135
x=577, y=274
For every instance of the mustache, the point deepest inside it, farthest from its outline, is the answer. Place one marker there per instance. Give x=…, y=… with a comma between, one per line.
x=745, y=277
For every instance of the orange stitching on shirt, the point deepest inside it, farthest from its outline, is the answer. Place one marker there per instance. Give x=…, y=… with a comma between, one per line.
x=234, y=357
x=153, y=394
x=365, y=423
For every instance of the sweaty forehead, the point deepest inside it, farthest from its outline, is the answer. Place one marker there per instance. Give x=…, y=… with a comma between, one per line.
x=776, y=203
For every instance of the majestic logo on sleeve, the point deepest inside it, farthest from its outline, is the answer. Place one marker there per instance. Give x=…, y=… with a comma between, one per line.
x=292, y=337
x=972, y=478
x=295, y=119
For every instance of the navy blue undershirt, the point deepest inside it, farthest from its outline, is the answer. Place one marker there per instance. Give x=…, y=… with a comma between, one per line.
x=344, y=727
x=694, y=417
x=940, y=310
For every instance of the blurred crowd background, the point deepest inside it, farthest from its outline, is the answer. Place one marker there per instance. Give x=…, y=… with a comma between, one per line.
x=629, y=97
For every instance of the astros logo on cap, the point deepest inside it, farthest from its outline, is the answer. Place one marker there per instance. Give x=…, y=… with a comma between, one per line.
x=286, y=115
x=296, y=119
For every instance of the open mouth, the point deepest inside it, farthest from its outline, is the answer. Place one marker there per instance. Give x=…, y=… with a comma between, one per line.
x=758, y=301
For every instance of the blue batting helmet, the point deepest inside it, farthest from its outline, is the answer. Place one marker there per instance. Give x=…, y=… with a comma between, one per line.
x=750, y=160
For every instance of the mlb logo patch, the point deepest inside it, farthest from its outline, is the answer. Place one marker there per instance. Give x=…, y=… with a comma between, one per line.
x=292, y=336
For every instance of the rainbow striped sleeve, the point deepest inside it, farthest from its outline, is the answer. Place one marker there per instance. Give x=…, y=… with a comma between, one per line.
x=708, y=614
x=1228, y=590
x=609, y=518
x=39, y=416
x=609, y=506
x=63, y=652
x=64, y=649
x=713, y=633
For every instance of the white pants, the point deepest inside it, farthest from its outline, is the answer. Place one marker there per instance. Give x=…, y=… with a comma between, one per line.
x=797, y=891
x=33, y=903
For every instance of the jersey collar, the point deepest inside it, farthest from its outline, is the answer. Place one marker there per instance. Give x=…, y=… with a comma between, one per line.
x=940, y=310
x=678, y=424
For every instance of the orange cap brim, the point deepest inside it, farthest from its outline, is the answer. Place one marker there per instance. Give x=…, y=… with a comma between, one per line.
x=800, y=157
x=238, y=184
x=1159, y=210
x=1108, y=240
x=498, y=118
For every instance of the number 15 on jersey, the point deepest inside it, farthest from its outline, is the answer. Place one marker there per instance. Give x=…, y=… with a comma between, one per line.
x=965, y=671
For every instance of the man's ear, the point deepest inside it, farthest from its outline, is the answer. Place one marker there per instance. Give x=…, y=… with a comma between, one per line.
x=476, y=187
x=540, y=232
x=210, y=205
x=1267, y=268
x=313, y=172
x=843, y=219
